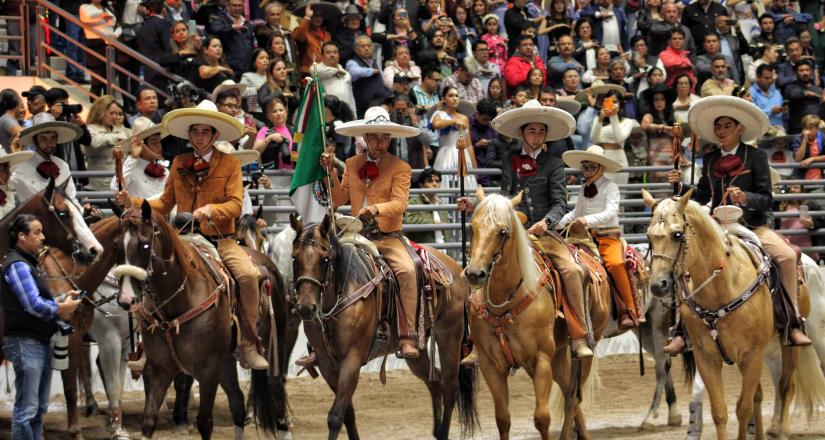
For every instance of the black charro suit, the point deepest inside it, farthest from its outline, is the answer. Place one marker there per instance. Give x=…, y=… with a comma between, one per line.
x=545, y=193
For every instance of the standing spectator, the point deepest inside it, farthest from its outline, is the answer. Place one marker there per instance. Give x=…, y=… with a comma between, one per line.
x=610, y=131
x=105, y=124
x=153, y=40
x=467, y=34
x=610, y=25
x=477, y=13
x=675, y=59
x=535, y=82
x=390, y=9
x=227, y=98
x=519, y=65
x=809, y=148
x=497, y=93
x=703, y=62
x=274, y=140
x=71, y=152
x=237, y=36
x=586, y=45
x=732, y=44
x=652, y=12
x=452, y=128
x=767, y=96
x=518, y=23
x=279, y=49
x=211, y=67
x=571, y=83
x=428, y=179
x=700, y=17
x=438, y=55
x=785, y=73
x=482, y=135
x=147, y=106
x=685, y=97
x=353, y=27
x=73, y=31
x=469, y=87
x=29, y=325
x=658, y=124
x=310, y=35
x=410, y=150
x=658, y=36
x=601, y=71
x=94, y=15
x=719, y=84
x=641, y=63
x=253, y=80
x=336, y=80
x=178, y=10
x=805, y=40
x=804, y=97
x=426, y=94
x=481, y=66
x=10, y=128
x=367, y=83
x=497, y=45
x=401, y=63
x=766, y=36
x=35, y=103
x=273, y=12
x=767, y=54
x=564, y=61
x=403, y=35
x=783, y=16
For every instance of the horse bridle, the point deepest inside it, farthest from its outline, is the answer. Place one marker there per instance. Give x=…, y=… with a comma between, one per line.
x=504, y=234
x=323, y=286
x=57, y=215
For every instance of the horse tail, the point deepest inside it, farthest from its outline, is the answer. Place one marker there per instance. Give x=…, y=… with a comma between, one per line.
x=262, y=401
x=810, y=382
x=689, y=362
x=467, y=412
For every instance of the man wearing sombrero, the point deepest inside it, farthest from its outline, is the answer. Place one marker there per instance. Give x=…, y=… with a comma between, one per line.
x=739, y=174
x=378, y=186
x=597, y=209
x=540, y=178
x=209, y=184
x=42, y=138
x=7, y=162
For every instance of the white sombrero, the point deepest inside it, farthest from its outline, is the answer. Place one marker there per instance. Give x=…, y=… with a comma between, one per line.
x=143, y=128
x=570, y=105
x=376, y=120
x=227, y=85
x=66, y=131
x=560, y=124
x=598, y=88
x=703, y=115
x=15, y=158
x=594, y=153
x=247, y=156
x=177, y=122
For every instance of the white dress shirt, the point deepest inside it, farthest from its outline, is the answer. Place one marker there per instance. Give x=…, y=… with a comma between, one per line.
x=136, y=182
x=10, y=205
x=27, y=182
x=731, y=152
x=610, y=29
x=601, y=211
x=339, y=86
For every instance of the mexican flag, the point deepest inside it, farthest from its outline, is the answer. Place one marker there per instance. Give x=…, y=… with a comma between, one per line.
x=307, y=191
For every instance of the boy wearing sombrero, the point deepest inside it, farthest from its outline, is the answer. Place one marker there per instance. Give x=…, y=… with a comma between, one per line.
x=209, y=184
x=738, y=174
x=597, y=209
x=377, y=183
x=143, y=176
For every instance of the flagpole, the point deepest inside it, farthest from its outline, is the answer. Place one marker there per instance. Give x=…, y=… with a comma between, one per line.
x=322, y=127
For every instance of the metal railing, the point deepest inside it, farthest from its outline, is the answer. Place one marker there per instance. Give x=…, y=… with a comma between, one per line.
x=23, y=57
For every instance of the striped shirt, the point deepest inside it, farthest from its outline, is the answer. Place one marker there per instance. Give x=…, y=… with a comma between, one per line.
x=22, y=283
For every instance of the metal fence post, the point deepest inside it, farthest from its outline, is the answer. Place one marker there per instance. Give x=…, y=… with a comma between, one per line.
x=110, y=71
x=41, y=37
x=24, y=40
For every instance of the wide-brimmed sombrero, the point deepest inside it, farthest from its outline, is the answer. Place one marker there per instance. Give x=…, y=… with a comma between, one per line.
x=332, y=13
x=143, y=128
x=376, y=120
x=570, y=105
x=247, y=157
x=560, y=124
x=594, y=153
x=703, y=115
x=228, y=85
x=15, y=158
x=599, y=88
x=44, y=122
x=177, y=122
x=352, y=10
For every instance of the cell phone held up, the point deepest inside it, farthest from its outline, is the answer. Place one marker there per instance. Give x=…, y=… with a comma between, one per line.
x=609, y=104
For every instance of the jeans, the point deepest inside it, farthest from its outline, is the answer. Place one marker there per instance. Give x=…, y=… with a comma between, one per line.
x=32, y=361
x=74, y=52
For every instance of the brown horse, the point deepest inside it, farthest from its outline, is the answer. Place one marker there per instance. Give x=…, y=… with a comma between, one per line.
x=186, y=321
x=327, y=273
x=513, y=319
x=685, y=240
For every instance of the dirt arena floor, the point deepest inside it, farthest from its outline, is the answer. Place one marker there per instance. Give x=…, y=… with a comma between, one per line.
x=401, y=409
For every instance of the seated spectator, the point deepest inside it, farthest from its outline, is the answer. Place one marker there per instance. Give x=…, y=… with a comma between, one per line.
x=496, y=43
x=564, y=61
x=10, y=128
x=428, y=179
x=570, y=83
x=720, y=83
x=211, y=68
x=184, y=51
x=105, y=124
x=469, y=87
x=586, y=45
x=600, y=72
x=703, y=62
x=278, y=83
x=401, y=62
x=803, y=96
x=335, y=79
x=278, y=49
x=481, y=135
x=684, y=97
x=766, y=95
x=147, y=106
x=676, y=60
x=426, y=94
x=310, y=35
x=766, y=55
x=535, y=83
x=35, y=103
x=808, y=148
x=351, y=27
x=519, y=65
x=481, y=66
x=236, y=34
x=520, y=97
x=253, y=80
x=785, y=73
x=497, y=94
x=274, y=140
x=227, y=98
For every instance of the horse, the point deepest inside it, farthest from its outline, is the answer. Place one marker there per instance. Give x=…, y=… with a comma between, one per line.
x=64, y=230
x=513, y=317
x=686, y=240
x=183, y=305
x=810, y=382
x=329, y=272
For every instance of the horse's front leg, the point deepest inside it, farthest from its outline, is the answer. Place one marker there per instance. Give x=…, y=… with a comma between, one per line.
x=751, y=369
x=69, y=377
x=183, y=392
x=711, y=371
x=348, y=375
x=156, y=381
x=542, y=375
x=496, y=379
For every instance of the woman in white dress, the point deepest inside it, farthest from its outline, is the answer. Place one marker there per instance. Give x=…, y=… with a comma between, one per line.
x=452, y=126
x=610, y=130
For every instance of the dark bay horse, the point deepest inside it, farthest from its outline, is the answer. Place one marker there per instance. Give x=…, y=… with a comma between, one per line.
x=187, y=322
x=327, y=271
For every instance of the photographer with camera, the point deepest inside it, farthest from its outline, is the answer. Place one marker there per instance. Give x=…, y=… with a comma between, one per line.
x=58, y=101
x=31, y=321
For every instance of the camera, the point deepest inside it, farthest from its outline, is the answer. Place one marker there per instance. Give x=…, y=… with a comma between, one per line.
x=72, y=109
x=182, y=91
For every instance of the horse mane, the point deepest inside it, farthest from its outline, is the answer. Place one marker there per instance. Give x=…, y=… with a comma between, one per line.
x=698, y=217
x=181, y=251
x=341, y=256
x=496, y=209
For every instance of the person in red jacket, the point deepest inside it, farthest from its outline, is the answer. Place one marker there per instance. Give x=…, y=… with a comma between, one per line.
x=518, y=66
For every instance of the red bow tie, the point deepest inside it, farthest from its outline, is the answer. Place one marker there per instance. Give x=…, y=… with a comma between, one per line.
x=368, y=171
x=728, y=166
x=590, y=190
x=48, y=169
x=154, y=170
x=524, y=165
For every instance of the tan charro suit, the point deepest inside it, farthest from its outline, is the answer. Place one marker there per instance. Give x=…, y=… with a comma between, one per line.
x=390, y=193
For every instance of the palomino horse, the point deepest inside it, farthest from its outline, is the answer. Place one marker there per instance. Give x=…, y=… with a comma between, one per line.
x=327, y=274
x=186, y=321
x=65, y=230
x=513, y=316
x=725, y=306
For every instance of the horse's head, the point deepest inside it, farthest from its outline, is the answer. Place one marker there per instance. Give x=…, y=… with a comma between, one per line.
x=312, y=260
x=248, y=232
x=666, y=235
x=493, y=224
x=135, y=247
x=63, y=223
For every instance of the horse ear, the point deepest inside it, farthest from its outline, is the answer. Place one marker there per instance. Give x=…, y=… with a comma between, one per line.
x=480, y=193
x=683, y=201
x=326, y=226
x=64, y=185
x=116, y=210
x=649, y=200
x=515, y=201
x=295, y=222
x=146, y=211
x=49, y=190
x=259, y=214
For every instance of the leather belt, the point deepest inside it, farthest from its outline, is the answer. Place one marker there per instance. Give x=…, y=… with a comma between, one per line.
x=378, y=235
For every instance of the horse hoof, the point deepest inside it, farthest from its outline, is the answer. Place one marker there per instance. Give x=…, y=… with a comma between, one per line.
x=674, y=420
x=249, y=420
x=181, y=429
x=694, y=436
x=121, y=434
x=647, y=426
x=92, y=410
x=283, y=435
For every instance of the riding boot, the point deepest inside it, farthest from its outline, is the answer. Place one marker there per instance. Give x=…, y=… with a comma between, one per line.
x=678, y=341
x=580, y=349
x=614, y=261
x=471, y=359
x=249, y=304
x=574, y=318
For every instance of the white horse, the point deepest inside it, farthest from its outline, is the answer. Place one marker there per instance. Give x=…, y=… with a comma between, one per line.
x=809, y=358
